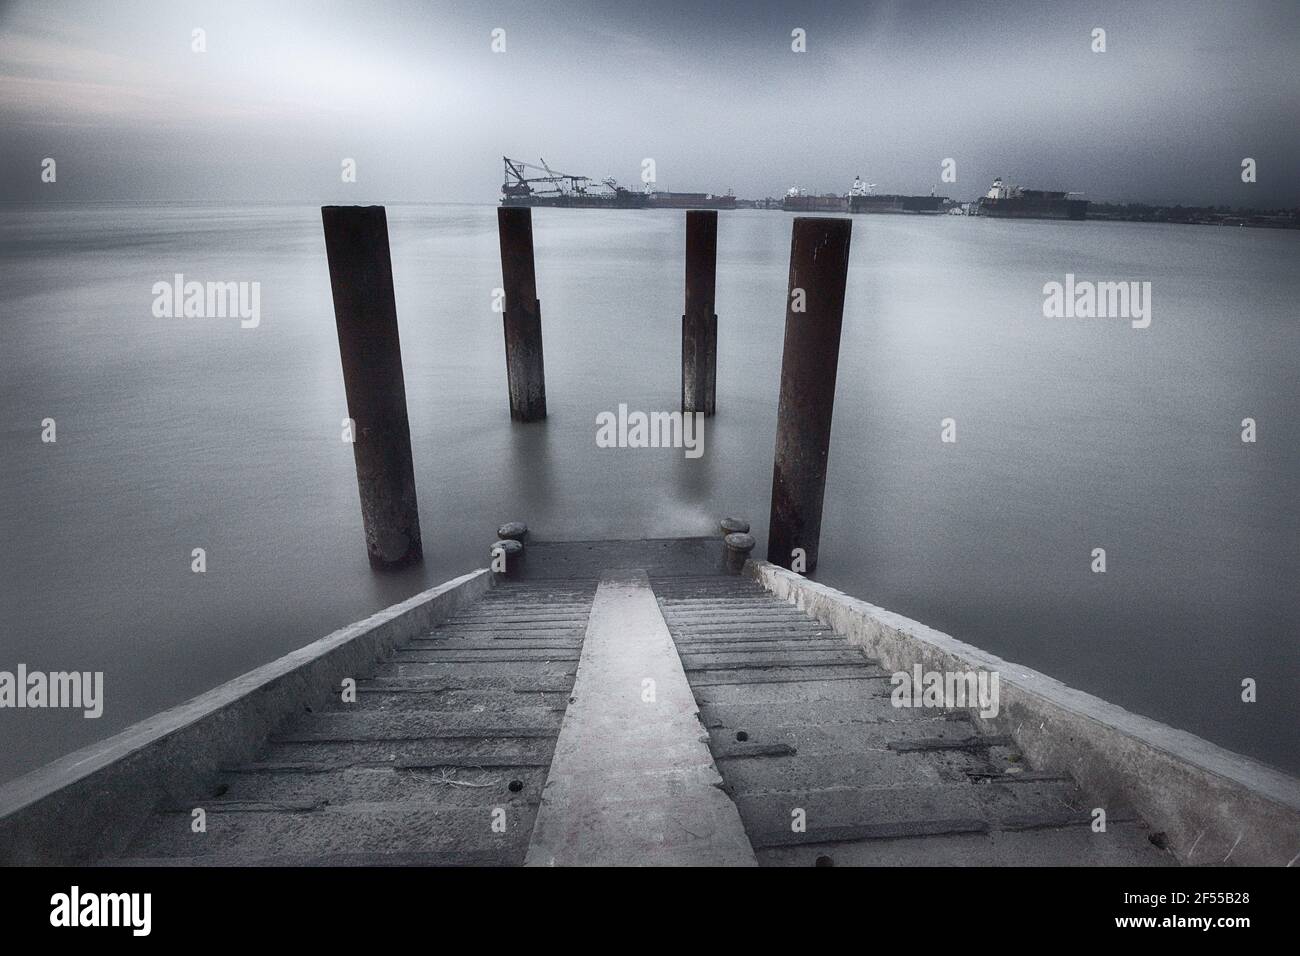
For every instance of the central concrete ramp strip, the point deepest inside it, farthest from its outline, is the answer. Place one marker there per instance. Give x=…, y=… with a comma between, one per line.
x=633, y=782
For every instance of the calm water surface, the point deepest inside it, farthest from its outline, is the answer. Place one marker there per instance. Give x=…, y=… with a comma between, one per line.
x=1072, y=434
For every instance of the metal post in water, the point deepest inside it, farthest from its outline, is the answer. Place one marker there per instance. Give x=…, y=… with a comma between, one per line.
x=523, y=315
x=365, y=313
x=814, y=313
x=699, y=321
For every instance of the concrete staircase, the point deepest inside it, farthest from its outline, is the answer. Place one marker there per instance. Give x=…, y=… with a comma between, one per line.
x=444, y=756
x=441, y=759
x=825, y=771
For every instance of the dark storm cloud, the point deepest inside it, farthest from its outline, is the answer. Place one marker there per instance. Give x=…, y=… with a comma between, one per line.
x=712, y=92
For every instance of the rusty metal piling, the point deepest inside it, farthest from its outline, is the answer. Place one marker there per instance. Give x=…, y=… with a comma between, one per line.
x=699, y=321
x=819, y=261
x=525, y=370
x=365, y=314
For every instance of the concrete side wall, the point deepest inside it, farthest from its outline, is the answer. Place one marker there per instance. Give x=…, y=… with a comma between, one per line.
x=89, y=803
x=1214, y=806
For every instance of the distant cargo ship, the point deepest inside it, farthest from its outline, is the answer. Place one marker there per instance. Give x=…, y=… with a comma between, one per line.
x=519, y=188
x=1013, y=202
x=861, y=199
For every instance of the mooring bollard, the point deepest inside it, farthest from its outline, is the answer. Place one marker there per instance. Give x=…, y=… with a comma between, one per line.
x=814, y=314
x=513, y=531
x=525, y=369
x=699, y=321
x=735, y=551
x=507, y=558
x=365, y=313
x=730, y=525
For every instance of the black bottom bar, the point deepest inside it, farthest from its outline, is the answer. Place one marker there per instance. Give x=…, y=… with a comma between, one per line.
x=957, y=909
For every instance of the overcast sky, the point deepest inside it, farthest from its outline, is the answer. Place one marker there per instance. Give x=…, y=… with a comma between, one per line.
x=710, y=90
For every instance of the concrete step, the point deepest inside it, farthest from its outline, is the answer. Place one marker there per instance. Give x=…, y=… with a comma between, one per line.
x=474, y=643
x=493, y=623
x=742, y=626
x=714, y=677
x=716, y=615
x=532, y=720
x=576, y=607
x=793, y=640
x=860, y=711
x=331, y=756
x=505, y=633
x=1124, y=844
x=371, y=828
x=478, y=682
x=727, y=644
x=723, y=589
x=523, y=613
x=809, y=739
x=454, y=654
x=802, y=772
x=481, y=672
x=711, y=689
x=458, y=700
x=507, y=854
x=714, y=660
x=759, y=602
x=852, y=813
x=458, y=786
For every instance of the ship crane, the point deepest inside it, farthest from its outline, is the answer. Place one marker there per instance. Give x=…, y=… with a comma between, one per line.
x=518, y=180
x=574, y=183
